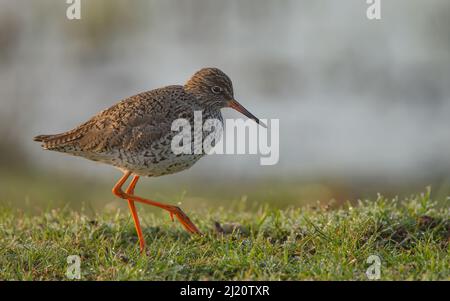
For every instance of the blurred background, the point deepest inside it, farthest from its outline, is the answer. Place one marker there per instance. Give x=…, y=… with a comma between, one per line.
x=363, y=105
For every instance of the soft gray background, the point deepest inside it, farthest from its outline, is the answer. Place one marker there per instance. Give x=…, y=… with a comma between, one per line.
x=355, y=98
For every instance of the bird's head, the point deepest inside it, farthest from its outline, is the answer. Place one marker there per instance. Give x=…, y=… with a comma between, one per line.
x=214, y=88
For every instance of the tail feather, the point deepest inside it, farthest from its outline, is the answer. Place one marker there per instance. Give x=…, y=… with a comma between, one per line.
x=59, y=140
x=42, y=138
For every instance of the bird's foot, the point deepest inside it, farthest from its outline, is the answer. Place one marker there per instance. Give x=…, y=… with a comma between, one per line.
x=183, y=218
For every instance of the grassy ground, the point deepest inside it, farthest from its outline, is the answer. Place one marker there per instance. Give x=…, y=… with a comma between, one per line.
x=411, y=237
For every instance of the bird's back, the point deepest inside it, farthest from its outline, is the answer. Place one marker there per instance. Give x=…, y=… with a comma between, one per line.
x=130, y=125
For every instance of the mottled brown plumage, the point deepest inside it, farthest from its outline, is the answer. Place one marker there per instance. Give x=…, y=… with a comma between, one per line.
x=135, y=134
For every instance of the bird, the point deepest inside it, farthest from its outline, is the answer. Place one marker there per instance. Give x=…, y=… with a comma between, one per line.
x=135, y=134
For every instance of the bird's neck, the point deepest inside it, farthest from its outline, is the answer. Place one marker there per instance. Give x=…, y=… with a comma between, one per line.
x=209, y=111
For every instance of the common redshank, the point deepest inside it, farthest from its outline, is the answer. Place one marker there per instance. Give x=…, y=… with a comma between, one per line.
x=135, y=135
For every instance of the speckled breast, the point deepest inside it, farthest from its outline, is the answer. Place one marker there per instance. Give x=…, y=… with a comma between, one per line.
x=160, y=159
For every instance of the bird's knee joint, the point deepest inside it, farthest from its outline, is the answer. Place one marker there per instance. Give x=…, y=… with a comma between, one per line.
x=118, y=192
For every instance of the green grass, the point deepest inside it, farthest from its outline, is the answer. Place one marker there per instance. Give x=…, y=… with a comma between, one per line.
x=410, y=236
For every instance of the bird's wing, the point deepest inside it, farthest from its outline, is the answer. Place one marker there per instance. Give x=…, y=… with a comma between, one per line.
x=131, y=125
x=125, y=133
x=136, y=122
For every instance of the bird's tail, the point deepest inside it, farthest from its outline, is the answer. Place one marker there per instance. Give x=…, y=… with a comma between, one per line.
x=58, y=141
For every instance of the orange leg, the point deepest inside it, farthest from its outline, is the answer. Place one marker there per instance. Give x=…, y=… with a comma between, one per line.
x=173, y=210
x=130, y=190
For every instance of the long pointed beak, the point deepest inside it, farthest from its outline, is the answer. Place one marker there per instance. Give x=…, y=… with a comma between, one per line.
x=238, y=107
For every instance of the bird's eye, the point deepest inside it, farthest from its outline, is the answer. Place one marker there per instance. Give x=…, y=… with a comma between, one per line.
x=216, y=89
